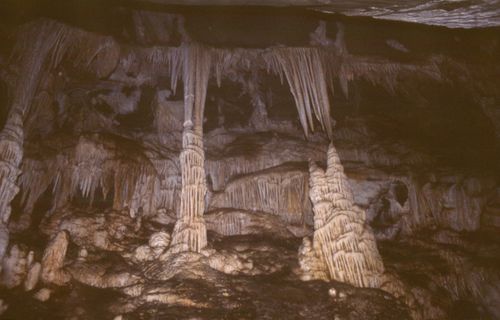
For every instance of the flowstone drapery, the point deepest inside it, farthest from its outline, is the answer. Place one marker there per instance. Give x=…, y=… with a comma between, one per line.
x=342, y=239
x=190, y=233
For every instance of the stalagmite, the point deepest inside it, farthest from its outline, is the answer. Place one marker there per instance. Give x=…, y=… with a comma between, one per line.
x=342, y=239
x=190, y=232
x=53, y=260
x=33, y=276
x=14, y=267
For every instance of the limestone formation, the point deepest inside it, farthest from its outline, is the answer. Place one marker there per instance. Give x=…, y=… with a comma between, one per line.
x=231, y=222
x=3, y=306
x=53, y=260
x=305, y=69
x=342, y=239
x=14, y=267
x=33, y=49
x=281, y=191
x=159, y=240
x=190, y=231
x=311, y=264
x=43, y=294
x=33, y=276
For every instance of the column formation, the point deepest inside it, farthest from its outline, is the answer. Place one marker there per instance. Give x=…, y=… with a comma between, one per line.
x=190, y=233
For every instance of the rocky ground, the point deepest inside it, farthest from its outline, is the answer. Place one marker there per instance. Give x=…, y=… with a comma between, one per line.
x=106, y=274
x=238, y=277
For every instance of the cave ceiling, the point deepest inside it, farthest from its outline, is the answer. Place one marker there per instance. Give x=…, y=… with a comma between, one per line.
x=453, y=14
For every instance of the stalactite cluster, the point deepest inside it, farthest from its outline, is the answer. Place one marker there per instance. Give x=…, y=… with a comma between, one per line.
x=91, y=167
x=304, y=69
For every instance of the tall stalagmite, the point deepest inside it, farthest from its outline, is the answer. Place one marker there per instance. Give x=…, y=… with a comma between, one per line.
x=190, y=233
x=342, y=239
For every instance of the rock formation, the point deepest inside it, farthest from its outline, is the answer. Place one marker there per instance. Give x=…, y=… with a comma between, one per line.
x=190, y=232
x=32, y=50
x=342, y=239
x=53, y=260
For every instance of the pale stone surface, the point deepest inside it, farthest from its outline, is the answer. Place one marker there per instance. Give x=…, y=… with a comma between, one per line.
x=232, y=222
x=343, y=241
x=53, y=260
x=3, y=306
x=311, y=265
x=43, y=294
x=159, y=240
x=99, y=276
x=14, y=267
x=33, y=276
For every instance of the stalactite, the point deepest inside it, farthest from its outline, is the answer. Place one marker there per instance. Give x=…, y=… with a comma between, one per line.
x=170, y=57
x=190, y=232
x=342, y=239
x=305, y=71
x=90, y=163
x=96, y=165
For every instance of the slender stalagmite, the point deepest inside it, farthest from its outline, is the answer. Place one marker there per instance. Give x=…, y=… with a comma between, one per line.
x=190, y=232
x=342, y=239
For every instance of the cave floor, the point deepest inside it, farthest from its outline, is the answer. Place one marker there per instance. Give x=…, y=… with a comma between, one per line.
x=205, y=293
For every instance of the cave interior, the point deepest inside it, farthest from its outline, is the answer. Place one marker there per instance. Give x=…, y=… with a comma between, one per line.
x=161, y=160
